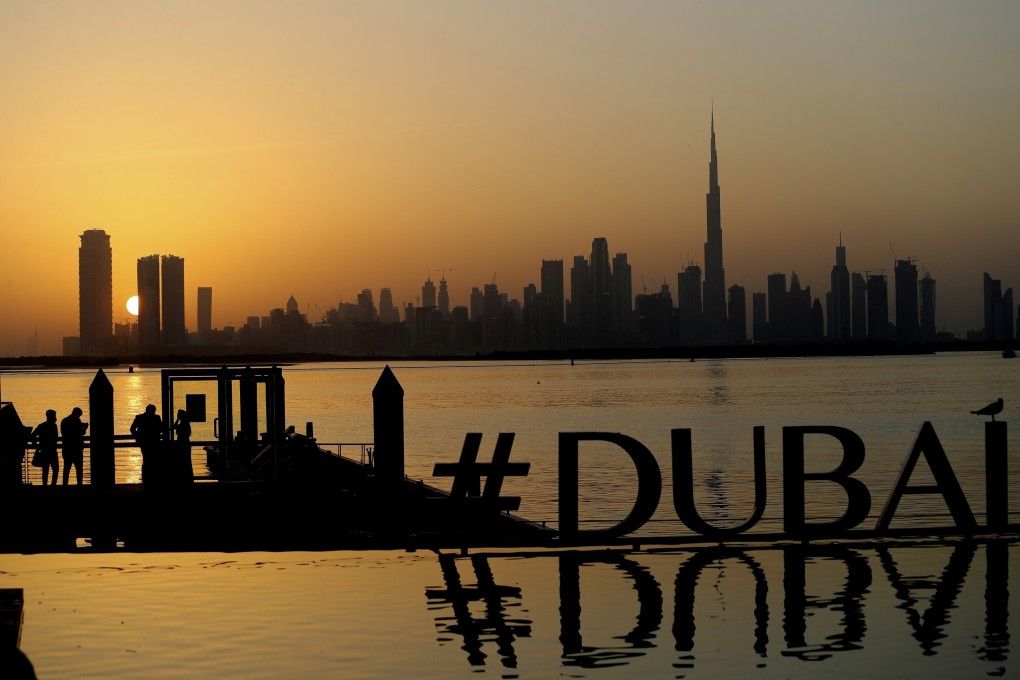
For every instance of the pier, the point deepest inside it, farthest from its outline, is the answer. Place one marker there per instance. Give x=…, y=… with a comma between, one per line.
x=274, y=489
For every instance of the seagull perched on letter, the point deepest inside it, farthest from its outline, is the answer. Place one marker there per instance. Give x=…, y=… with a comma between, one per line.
x=991, y=410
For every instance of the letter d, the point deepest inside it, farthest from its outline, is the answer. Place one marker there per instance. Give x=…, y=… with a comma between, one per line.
x=649, y=484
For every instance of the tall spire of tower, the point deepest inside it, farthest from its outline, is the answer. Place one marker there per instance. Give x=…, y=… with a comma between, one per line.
x=715, y=277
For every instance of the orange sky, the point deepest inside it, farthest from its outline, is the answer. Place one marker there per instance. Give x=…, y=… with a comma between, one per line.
x=316, y=149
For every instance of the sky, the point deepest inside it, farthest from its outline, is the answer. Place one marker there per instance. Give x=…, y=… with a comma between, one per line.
x=315, y=148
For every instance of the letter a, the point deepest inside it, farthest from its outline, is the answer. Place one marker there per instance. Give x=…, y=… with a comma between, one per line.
x=945, y=481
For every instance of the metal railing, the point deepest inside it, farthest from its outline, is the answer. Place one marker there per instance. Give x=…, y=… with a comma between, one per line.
x=365, y=450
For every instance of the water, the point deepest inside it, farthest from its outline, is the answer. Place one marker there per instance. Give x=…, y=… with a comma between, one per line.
x=929, y=608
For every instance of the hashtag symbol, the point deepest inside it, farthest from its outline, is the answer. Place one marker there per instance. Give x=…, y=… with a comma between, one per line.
x=468, y=472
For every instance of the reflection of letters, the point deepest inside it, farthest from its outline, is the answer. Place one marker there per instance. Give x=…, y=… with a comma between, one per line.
x=649, y=618
x=996, y=602
x=849, y=601
x=649, y=484
x=858, y=497
x=493, y=625
x=686, y=582
x=683, y=486
x=928, y=627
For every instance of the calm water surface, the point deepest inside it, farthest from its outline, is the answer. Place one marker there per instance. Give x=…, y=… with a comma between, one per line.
x=932, y=609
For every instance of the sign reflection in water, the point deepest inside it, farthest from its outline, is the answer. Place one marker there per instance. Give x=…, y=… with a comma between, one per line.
x=828, y=597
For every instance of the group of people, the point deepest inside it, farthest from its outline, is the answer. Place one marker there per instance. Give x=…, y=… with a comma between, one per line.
x=147, y=429
x=72, y=434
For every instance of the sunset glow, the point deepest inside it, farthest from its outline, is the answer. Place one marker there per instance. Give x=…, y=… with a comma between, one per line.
x=317, y=149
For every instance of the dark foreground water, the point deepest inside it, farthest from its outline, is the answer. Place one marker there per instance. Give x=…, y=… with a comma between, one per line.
x=934, y=608
x=920, y=610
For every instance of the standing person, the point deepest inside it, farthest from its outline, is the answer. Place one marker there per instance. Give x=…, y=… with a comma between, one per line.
x=147, y=429
x=45, y=437
x=182, y=433
x=72, y=432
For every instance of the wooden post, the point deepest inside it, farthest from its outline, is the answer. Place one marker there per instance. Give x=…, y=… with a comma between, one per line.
x=996, y=476
x=12, y=616
x=101, y=459
x=388, y=413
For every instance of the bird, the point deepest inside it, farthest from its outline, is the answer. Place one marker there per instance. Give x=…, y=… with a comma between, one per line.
x=991, y=410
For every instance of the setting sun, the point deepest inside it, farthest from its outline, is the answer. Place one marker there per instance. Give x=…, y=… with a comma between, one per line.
x=132, y=305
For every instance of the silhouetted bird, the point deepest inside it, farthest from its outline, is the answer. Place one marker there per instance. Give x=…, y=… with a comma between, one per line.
x=991, y=410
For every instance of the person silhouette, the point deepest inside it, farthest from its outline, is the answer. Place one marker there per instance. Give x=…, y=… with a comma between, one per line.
x=182, y=434
x=147, y=430
x=45, y=437
x=72, y=433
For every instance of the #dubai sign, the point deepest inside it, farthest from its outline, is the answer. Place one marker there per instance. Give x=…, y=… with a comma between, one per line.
x=857, y=501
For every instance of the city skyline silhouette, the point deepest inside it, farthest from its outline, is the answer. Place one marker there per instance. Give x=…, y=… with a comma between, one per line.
x=319, y=151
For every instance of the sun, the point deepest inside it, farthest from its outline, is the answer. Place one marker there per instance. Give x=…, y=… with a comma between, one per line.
x=132, y=305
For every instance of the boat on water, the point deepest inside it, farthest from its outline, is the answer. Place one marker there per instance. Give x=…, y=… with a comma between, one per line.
x=266, y=486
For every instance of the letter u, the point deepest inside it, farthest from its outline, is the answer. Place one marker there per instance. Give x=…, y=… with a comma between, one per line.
x=683, y=486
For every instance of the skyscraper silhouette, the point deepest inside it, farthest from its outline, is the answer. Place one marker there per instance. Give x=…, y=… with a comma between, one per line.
x=552, y=289
x=172, y=278
x=927, y=294
x=444, y=298
x=428, y=293
x=858, y=306
x=715, y=277
x=878, y=307
x=95, y=291
x=906, y=301
x=998, y=310
x=601, y=297
x=777, y=306
x=737, y=313
x=148, y=303
x=838, y=299
x=621, y=298
x=204, y=310
x=689, y=305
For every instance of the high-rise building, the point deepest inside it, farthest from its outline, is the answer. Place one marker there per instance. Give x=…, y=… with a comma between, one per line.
x=621, y=298
x=759, y=317
x=927, y=294
x=998, y=310
x=387, y=311
x=601, y=296
x=552, y=286
x=838, y=299
x=878, y=307
x=552, y=289
x=858, y=307
x=204, y=309
x=477, y=305
x=715, y=275
x=444, y=299
x=737, y=312
x=95, y=291
x=366, y=306
x=905, y=274
x=777, y=306
x=172, y=279
x=579, y=311
x=428, y=293
x=797, y=311
x=148, y=303
x=689, y=308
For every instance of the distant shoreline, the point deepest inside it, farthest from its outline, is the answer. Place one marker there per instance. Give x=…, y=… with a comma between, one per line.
x=743, y=351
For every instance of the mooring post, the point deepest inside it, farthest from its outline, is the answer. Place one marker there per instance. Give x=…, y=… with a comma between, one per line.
x=101, y=459
x=996, y=479
x=388, y=416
